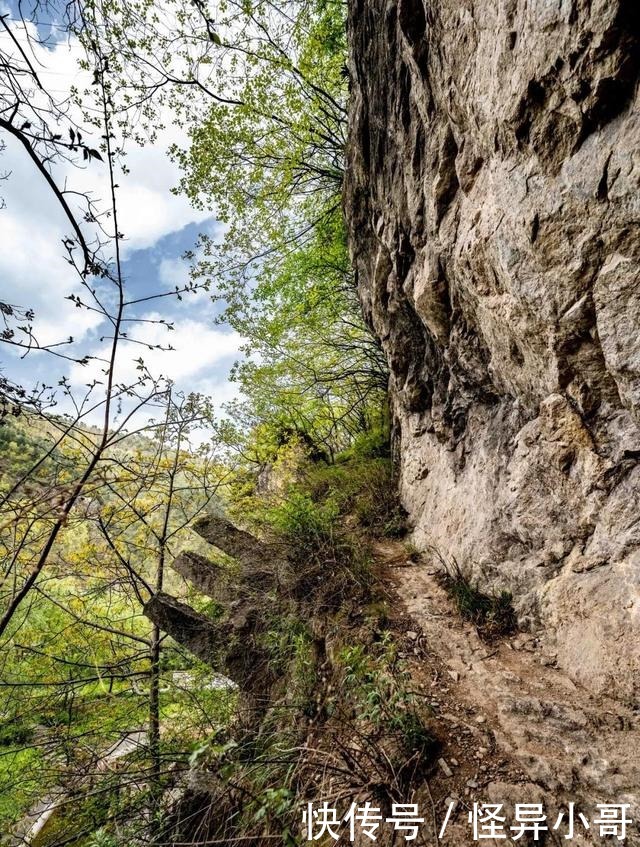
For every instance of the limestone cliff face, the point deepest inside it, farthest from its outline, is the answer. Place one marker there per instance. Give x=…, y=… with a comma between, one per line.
x=493, y=198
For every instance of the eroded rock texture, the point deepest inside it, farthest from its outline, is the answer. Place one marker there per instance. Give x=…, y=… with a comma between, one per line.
x=232, y=642
x=493, y=200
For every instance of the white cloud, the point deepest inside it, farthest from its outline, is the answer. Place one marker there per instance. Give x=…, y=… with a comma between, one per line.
x=34, y=275
x=173, y=272
x=198, y=364
x=220, y=391
x=199, y=348
x=147, y=208
x=33, y=270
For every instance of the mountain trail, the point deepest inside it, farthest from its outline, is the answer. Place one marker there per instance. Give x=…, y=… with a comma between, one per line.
x=513, y=728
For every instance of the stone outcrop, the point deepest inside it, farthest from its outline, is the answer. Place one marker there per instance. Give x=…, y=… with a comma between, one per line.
x=246, y=593
x=493, y=200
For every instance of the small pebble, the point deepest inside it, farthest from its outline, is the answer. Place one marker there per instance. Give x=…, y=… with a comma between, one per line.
x=453, y=802
x=444, y=767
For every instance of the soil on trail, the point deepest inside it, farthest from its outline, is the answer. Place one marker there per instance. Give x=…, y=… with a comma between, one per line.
x=513, y=728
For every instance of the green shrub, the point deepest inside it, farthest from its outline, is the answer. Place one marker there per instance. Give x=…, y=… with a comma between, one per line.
x=290, y=648
x=309, y=527
x=101, y=838
x=21, y=783
x=329, y=563
x=380, y=689
x=372, y=679
x=371, y=444
x=377, y=505
x=364, y=488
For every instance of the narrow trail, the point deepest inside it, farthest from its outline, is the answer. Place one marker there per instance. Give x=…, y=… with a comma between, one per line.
x=514, y=728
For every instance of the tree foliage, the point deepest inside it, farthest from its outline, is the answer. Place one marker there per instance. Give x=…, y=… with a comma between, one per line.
x=81, y=666
x=262, y=89
x=90, y=516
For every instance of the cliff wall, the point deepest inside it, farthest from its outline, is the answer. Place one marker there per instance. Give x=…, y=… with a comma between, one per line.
x=493, y=201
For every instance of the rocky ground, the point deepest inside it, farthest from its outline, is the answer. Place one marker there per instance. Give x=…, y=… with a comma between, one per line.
x=514, y=727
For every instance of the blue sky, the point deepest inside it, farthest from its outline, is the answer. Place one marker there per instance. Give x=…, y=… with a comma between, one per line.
x=158, y=226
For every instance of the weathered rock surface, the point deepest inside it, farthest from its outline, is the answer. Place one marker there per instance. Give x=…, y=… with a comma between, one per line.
x=230, y=644
x=251, y=553
x=198, y=633
x=493, y=201
x=200, y=571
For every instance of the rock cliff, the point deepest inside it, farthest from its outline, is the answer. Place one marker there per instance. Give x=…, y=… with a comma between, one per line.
x=493, y=200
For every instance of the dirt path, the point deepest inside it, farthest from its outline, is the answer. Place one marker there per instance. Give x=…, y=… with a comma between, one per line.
x=516, y=729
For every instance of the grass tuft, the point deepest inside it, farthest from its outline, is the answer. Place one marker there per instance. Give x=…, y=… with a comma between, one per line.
x=492, y=615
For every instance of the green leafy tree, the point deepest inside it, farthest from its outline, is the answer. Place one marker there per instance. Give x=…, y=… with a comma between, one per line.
x=262, y=90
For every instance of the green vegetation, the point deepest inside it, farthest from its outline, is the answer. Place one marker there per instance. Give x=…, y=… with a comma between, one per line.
x=79, y=669
x=380, y=690
x=492, y=615
x=82, y=660
x=272, y=166
x=309, y=496
x=342, y=701
x=92, y=517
